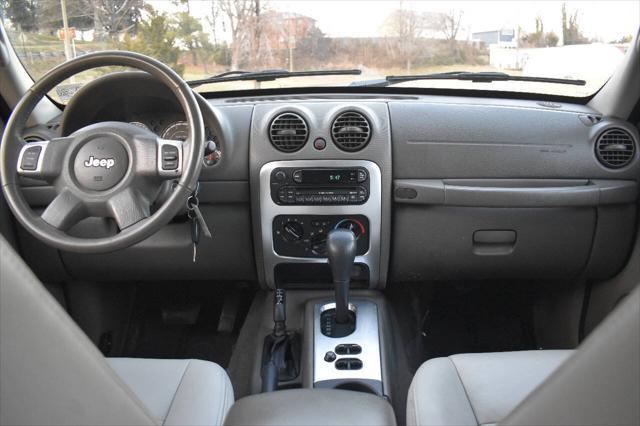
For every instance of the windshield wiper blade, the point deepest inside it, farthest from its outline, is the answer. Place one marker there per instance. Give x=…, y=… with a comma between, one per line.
x=481, y=77
x=268, y=75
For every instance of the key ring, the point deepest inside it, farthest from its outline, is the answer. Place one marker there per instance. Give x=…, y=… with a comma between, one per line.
x=193, y=202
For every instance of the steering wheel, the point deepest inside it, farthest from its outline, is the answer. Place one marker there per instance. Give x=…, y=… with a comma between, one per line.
x=108, y=169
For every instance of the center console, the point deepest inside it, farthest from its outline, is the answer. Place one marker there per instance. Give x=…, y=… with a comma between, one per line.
x=348, y=362
x=302, y=200
x=321, y=216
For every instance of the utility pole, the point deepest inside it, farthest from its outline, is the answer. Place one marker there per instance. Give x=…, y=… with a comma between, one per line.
x=65, y=26
x=290, y=54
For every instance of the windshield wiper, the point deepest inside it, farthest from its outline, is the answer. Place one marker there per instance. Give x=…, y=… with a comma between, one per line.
x=267, y=75
x=476, y=77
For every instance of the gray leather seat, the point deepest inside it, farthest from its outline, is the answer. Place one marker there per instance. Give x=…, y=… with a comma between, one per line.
x=477, y=389
x=50, y=373
x=177, y=391
x=599, y=383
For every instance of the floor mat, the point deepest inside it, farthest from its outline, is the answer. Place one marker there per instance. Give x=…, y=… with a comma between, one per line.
x=449, y=318
x=169, y=321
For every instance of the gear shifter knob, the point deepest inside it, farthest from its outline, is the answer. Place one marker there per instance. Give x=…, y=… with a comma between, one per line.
x=341, y=251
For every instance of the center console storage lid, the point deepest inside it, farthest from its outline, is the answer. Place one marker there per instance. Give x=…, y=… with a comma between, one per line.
x=311, y=407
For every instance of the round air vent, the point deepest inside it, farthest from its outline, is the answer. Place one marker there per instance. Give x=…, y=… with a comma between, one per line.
x=288, y=132
x=615, y=148
x=351, y=131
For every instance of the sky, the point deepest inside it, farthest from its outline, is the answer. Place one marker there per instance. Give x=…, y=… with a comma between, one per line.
x=603, y=20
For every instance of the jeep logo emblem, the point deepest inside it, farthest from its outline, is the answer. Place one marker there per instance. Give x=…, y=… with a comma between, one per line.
x=107, y=163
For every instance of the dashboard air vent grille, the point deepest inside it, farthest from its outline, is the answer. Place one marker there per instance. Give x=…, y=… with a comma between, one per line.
x=288, y=132
x=33, y=138
x=615, y=148
x=351, y=131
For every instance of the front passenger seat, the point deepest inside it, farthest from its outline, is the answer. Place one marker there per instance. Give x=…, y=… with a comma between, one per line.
x=599, y=383
x=51, y=373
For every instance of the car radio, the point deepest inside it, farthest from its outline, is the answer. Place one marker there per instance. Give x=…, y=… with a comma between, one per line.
x=319, y=186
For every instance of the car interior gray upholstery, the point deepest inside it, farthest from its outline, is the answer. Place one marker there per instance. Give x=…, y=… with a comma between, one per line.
x=310, y=407
x=598, y=383
x=52, y=374
x=477, y=389
x=178, y=391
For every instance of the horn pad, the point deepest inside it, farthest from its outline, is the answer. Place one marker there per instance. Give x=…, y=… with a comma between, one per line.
x=101, y=163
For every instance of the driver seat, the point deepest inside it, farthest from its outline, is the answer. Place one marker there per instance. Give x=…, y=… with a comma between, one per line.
x=51, y=373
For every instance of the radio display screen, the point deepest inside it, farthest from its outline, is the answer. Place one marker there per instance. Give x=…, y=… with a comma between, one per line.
x=328, y=176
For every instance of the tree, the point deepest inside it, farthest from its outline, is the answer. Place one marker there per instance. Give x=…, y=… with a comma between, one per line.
x=406, y=26
x=79, y=13
x=539, y=38
x=157, y=38
x=189, y=33
x=449, y=24
x=22, y=13
x=242, y=17
x=551, y=39
x=571, y=33
x=624, y=39
x=117, y=16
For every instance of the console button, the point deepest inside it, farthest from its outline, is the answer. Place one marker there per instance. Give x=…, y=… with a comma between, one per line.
x=342, y=364
x=297, y=176
x=330, y=356
x=320, y=143
x=348, y=364
x=348, y=349
x=280, y=175
x=362, y=175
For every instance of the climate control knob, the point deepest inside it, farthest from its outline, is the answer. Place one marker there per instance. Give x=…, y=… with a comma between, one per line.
x=352, y=225
x=292, y=231
x=319, y=245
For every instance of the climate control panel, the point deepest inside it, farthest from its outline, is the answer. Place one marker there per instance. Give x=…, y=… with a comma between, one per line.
x=306, y=235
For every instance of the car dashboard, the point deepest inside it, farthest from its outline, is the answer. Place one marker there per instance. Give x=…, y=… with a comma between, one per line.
x=436, y=188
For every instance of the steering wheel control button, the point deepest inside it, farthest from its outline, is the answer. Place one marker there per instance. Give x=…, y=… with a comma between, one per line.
x=30, y=157
x=330, y=356
x=169, y=157
x=101, y=164
x=320, y=144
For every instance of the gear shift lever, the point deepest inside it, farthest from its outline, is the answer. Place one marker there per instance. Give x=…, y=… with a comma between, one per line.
x=341, y=251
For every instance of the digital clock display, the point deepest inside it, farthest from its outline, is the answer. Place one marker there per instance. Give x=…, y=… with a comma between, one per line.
x=328, y=176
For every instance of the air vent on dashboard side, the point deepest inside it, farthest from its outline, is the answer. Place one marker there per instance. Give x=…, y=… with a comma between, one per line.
x=351, y=131
x=615, y=148
x=288, y=132
x=33, y=138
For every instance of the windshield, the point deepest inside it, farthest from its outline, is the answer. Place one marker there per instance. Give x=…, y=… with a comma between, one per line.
x=567, y=40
